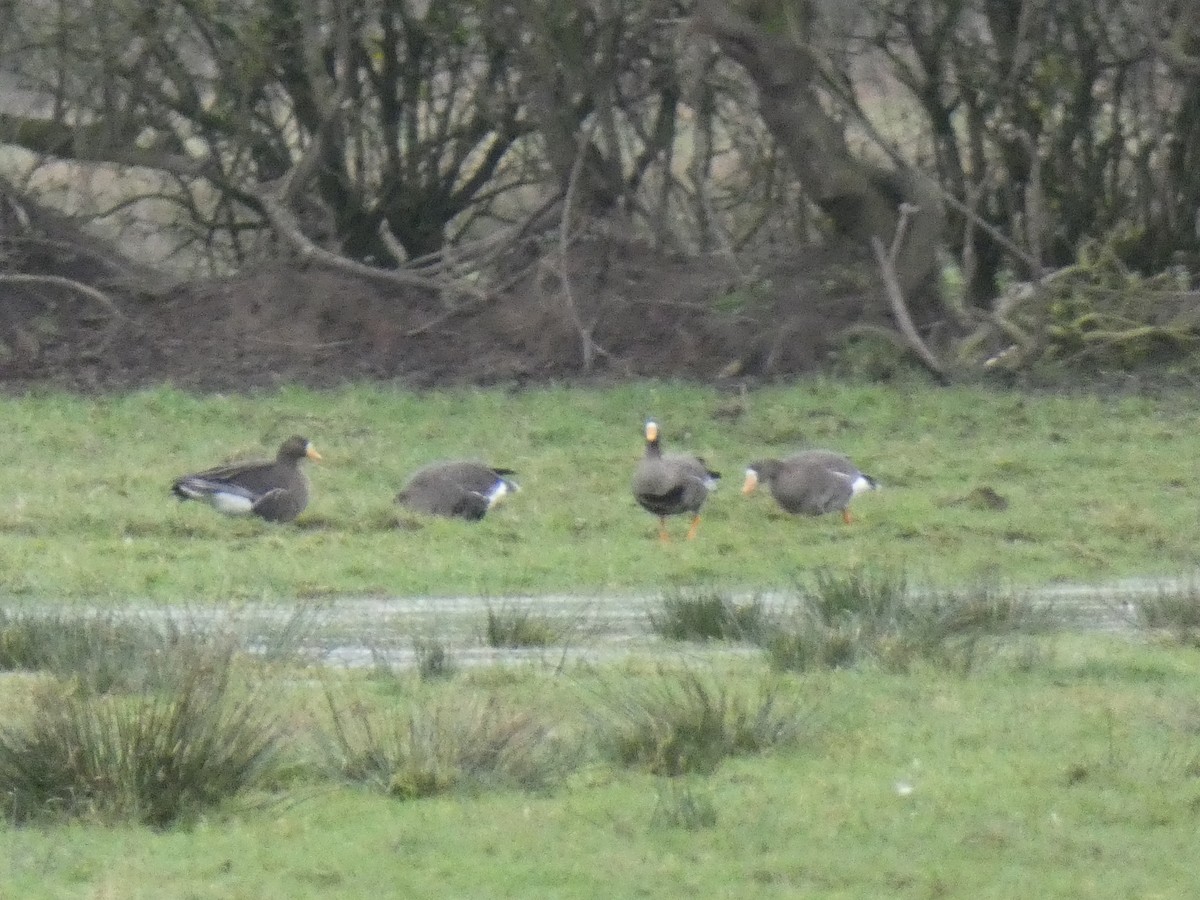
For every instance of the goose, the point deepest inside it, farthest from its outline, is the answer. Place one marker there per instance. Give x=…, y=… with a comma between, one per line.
x=275, y=490
x=671, y=484
x=811, y=483
x=458, y=489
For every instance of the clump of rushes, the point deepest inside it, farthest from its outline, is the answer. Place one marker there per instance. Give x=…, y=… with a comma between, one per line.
x=155, y=759
x=445, y=743
x=845, y=619
x=681, y=805
x=1173, y=611
x=521, y=626
x=103, y=652
x=434, y=660
x=706, y=615
x=678, y=723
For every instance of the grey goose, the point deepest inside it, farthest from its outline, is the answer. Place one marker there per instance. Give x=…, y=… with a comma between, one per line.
x=671, y=484
x=810, y=483
x=457, y=489
x=275, y=490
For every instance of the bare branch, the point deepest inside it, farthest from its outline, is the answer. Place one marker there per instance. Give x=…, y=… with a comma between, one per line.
x=588, y=347
x=91, y=143
x=1178, y=49
x=275, y=197
x=907, y=210
x=285, y=223
x=896, y=297
x=69, y=283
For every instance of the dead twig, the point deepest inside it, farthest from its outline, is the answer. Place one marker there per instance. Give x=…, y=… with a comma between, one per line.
x=298, y=345
x=482, y=253
x=588, y=347
x=891, y=283
x=70, y=284
x=882, y=332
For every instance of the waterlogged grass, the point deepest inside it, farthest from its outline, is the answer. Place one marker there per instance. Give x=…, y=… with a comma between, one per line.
x=706, y=615
x=977, y=485
x=856, y=618
x=1075, y=778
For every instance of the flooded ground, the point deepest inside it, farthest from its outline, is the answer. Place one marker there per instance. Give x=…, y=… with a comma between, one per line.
x=365, y=631
x=395, y=631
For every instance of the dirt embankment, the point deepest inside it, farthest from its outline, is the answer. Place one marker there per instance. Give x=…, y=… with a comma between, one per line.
x=75, y=315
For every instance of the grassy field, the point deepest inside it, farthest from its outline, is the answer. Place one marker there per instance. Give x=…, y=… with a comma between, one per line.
x=1073, y=777
x=869, y=757
x=1092, y=489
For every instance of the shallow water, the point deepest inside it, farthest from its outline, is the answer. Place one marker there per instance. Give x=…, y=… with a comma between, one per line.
x=363, y=631
x=359, y=631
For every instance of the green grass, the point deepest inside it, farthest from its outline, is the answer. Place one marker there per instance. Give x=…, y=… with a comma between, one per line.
x=704, y=615
x=158, y=759
x=1077, y=778
x=1051, y=765
x=1096, y=488
x=676, y=724
x=450, y=742
x=102, y=651
x=519, y=625
x=861, y=617
x=1173, y=611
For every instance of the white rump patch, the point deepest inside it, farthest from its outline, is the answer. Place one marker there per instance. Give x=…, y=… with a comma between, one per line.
x=862, y=483
x=500, y=489
x=231, y=504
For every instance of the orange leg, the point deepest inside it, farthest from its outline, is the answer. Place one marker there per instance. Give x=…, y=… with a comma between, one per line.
x=846, y=517
x=695, y=525
x=663, y=534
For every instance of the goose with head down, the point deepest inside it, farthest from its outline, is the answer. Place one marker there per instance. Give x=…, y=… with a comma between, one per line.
x=670, y=484
x=811, y=483
x=275, y=490
x=457, y=489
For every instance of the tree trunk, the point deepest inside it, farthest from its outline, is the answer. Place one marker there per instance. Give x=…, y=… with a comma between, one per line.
x=863, y=200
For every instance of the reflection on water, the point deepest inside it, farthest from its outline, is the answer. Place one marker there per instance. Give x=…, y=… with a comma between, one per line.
x=386, y=631
x=364, y=631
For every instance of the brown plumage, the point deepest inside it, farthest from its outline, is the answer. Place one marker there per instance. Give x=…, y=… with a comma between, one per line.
x=671, y=484
x=810, y=483
x=275, y=490
x=459, y=489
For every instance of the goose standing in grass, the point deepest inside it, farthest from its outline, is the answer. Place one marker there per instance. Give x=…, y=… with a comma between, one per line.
x=464, y=490
x=275, y=490
x=671, y=484
x=811, y=483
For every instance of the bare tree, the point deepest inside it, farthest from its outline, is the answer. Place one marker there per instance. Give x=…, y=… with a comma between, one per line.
x=403, y=136
x=1055, y=122
x=412, y=105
